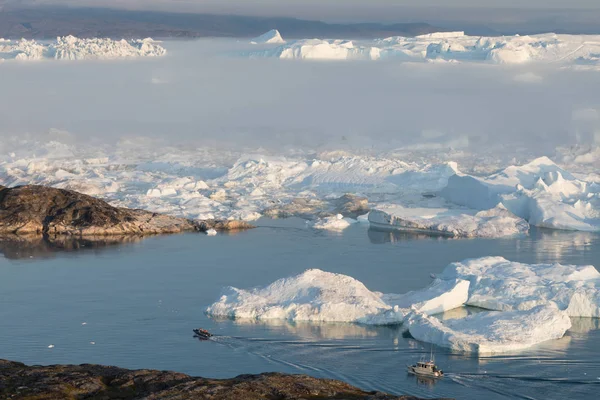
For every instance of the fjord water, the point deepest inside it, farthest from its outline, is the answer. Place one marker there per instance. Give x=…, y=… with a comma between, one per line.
x=134, y=305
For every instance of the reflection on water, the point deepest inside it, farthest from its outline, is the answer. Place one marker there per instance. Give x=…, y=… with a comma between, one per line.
x=381, y=236
x=17, y=247
x=315, y=330
x=545, y=242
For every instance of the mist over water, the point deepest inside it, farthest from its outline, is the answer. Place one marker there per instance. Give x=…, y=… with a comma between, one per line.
x=205, y=93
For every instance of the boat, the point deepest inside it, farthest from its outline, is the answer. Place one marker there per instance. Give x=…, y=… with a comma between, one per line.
x=202, y=334
x=425, y=368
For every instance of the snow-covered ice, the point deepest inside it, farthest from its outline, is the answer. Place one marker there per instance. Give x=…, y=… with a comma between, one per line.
x=499, y=284
x=492, y=331
x=577, y=50
x=271, y=37
x=540, y=192
x=314, y=295
x=333, y=223
x=317, y=295
x=73, y=48
x=496, y=222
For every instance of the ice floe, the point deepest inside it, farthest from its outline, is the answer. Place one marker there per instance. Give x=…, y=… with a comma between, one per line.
x=492, y=331
x=496, y=222
x=334, y=223
x=499, y=284
x=578, y=50
x=73, y=48
x=271, y=37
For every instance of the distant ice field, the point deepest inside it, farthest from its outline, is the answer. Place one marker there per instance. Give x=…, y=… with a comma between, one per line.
x=207, y=132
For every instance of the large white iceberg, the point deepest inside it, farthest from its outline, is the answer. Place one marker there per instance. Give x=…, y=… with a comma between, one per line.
x=540, y=192
x=499, y=284
x=321, y=296
x=492, y=331
x=271, y=37
x=497, y=222
x=318, y=49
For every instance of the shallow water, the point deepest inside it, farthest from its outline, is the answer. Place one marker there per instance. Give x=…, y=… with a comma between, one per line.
x=139, y=301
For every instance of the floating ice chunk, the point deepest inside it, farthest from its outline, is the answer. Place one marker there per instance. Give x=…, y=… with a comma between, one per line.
x=492, y=332
x=499, y=284
x=314, y=295
x=211, y=232
x=334, y=223
x=540, y=192
x=318, y=49
x=497, y=222
x=271, y=37
x=438, y=297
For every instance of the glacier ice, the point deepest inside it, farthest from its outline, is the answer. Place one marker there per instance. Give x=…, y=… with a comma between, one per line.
x=576, y=50
x=317, y=295
x=496, y=222
x=271, y=37
x=499, y=284
x=333, y=223
x=540, y=192
x=528, y=303
x=492, y=331
x=73, y=48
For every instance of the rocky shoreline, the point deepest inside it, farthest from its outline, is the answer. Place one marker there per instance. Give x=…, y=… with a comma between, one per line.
x=41, y=210
x=88, y=381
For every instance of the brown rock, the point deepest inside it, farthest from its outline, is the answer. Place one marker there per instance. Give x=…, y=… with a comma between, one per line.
x=44, y=210
x=18, y=381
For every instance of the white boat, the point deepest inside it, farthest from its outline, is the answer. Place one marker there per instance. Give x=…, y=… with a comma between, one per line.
x=425, y=368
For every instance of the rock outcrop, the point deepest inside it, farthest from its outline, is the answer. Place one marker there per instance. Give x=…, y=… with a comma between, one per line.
x=64, y=382
x=44, y=210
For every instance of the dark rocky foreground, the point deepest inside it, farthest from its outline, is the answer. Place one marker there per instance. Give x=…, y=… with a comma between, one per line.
x=40, y=210
x=87, y=381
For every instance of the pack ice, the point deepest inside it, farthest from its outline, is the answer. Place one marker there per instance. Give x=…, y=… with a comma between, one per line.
x=317, y=295
x=540, y=192
x=492, y=331
x=499, y=284
x=578, y=50
x=73, y=48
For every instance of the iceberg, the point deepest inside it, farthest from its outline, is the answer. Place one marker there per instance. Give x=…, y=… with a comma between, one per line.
x=497, y=222
x=540, y=192
x=317, y=49
x=73, y=48
x=334, y=223
x=502, y=285
x=314, y=295
x=271, y=37
x=575, y=50
x=321, y=296
x=492, y=331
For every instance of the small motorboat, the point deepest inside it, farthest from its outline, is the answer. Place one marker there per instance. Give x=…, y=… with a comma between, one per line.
x=202, y=334
x=425, y=368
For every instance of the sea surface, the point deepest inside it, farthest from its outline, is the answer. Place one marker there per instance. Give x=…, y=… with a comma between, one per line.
x=134, y=304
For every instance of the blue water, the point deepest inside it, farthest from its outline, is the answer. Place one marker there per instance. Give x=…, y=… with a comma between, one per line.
x=139, y=302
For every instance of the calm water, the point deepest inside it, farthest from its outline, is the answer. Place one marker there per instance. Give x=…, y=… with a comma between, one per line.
x=139, y=302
